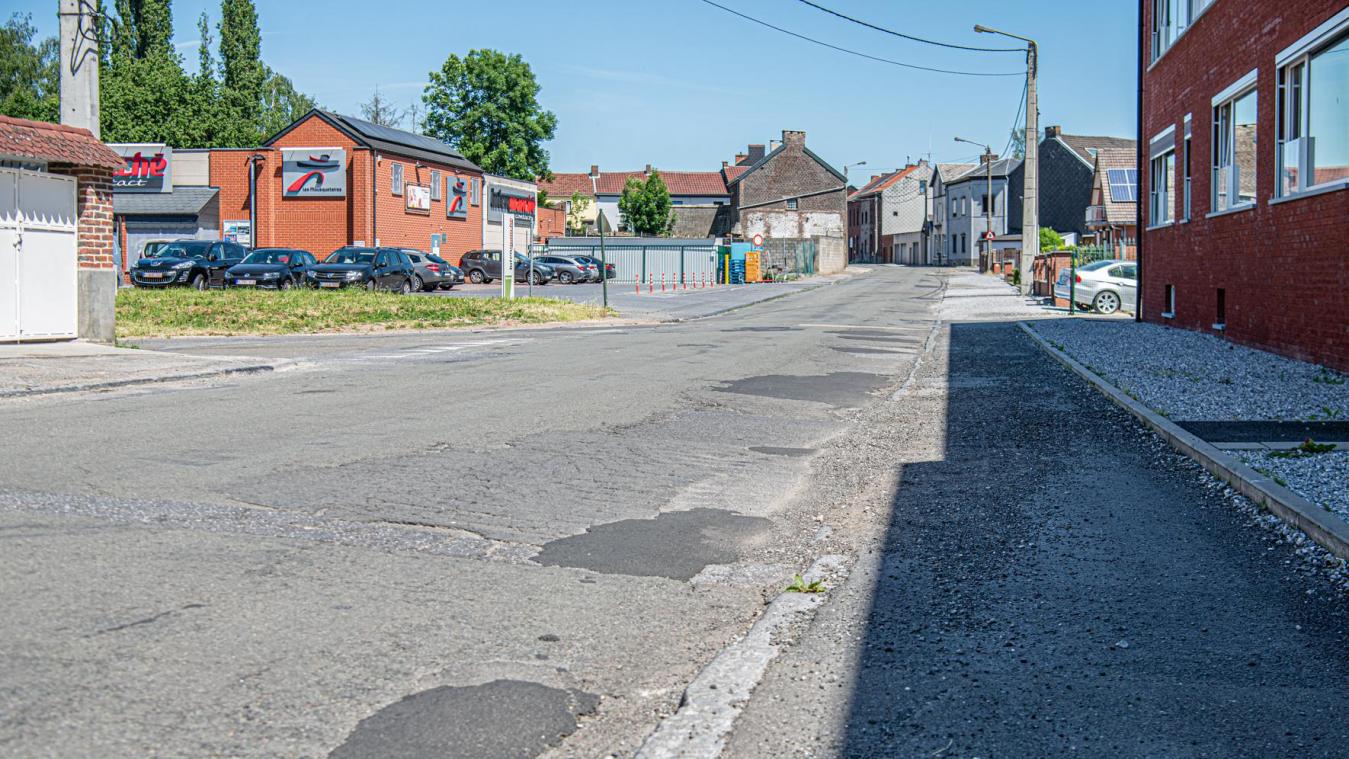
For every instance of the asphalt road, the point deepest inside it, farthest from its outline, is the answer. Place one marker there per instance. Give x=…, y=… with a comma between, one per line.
x=559, y=527
x=528, y=542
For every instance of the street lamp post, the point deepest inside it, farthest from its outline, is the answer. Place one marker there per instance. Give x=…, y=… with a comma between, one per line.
x=604, y=256
x=1030, y=228
x=988, y=200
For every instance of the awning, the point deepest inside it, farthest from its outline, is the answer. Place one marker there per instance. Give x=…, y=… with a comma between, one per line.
x=183, y=201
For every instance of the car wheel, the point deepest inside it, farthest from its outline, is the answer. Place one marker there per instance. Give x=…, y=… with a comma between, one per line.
x=564, y=278
x=286, y=284
x=476, y=277
x=417, y=283
x=1106, y=303
x=198, y=282
x=407, y=286
x=371, y=286
x=538, y=279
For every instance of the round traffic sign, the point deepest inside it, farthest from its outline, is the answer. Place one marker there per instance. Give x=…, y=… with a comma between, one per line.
x=758, y=241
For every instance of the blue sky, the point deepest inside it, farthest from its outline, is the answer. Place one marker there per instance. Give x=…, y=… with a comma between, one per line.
x=683, y=85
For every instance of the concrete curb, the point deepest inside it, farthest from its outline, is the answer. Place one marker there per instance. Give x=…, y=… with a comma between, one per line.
x=714, y=699
x=154, y=379
x=1327, y=530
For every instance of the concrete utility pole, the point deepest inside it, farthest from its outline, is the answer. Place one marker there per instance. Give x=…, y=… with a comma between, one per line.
x=79, y=65
x=988, y=202
x=1030, y=208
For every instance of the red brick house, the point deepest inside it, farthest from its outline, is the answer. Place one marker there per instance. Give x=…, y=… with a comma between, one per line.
x=56, y=179
x=329, y=180
x=1244, y=173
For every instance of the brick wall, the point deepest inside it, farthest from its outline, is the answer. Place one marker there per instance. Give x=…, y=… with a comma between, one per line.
x=821, y=200
x=1283, y=267
x=93, y=205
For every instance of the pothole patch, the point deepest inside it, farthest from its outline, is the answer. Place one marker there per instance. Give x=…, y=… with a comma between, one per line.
x=774, y=450
x=677, y=544
x=836, y=388
x=502, y=718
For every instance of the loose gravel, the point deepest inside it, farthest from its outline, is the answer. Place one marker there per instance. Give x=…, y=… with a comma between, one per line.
x=1322, y=478
x=1194, y=376
x=971, y=296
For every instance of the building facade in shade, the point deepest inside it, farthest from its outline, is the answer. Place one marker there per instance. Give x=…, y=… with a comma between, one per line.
x=329, y=180
x=1244, y=177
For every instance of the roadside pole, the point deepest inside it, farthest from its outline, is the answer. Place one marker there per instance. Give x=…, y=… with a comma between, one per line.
x=507, y=257
x=604, y=255
x=988, y=208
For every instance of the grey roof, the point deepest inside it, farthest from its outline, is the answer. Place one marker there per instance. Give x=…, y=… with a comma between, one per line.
x=388, y=139
x=1001, y=168
x=949, y=171
x=770, y=156
x=183, y=201
x=1082, y=145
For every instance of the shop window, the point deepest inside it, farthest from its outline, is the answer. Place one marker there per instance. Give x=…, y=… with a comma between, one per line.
x=396, y=178
x=435, y=184
x=1234, y=139
x=1313, y=112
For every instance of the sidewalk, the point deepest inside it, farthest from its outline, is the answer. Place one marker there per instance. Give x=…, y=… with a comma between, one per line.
x=28, y=369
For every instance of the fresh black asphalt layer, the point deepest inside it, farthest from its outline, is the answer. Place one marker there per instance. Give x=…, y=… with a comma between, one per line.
x=1267, y=431
x=836, y=388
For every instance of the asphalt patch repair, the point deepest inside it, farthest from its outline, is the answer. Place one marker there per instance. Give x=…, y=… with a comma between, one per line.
x=676, y=544
x=503, y=718
x=837, y=388
x=774, y=450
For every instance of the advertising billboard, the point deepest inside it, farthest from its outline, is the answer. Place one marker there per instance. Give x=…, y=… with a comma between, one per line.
x=456, y=198
x=505, y=200
x=418, y=197
x=314, y=172
x=149, y=168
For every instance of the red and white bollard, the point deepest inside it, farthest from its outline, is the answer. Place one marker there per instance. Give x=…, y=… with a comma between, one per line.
x=662, y=281
x=684, y=281
x=651, y=284
x=637, y=285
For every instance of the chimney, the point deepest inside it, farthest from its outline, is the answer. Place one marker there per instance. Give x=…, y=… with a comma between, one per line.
x=756, y=153
x=79, y=65
x=874, y=177
x=594, y=169
x=793, y=139
x=740, y=158
x=724, y=164
x=1053, y=131
x=648, y=169
x=774, y=145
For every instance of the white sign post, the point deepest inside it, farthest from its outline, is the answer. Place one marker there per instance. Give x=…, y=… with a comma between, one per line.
x=507, y=257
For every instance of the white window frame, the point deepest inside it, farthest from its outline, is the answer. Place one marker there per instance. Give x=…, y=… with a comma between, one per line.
x=396, y=177
x=1164, y=36
x=435, y=184
x=1161, y=147
x=1224, y=135
x=1298, y=57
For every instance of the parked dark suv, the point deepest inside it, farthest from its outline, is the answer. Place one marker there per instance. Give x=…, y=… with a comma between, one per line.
x=371, y=268
x=274, y=268
x=485, y=265
x=192, y=263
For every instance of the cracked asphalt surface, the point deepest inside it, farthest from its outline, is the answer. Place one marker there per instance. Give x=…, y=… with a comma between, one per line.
x=527, y=543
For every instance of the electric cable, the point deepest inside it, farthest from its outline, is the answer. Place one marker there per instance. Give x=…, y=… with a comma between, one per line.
x=818, y=7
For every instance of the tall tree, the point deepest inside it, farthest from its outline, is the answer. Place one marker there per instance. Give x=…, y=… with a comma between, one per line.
x=281, y=103
x=486, y=105
x=378, y=110
x=646, y=206
x=242, y=73
x=30, y=82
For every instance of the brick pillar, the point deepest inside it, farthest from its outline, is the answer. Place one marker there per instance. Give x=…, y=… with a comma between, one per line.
x=96, y=274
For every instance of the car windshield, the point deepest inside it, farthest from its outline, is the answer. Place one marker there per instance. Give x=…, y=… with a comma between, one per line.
x=269, y=257
x=351, y=256
x=183, y=250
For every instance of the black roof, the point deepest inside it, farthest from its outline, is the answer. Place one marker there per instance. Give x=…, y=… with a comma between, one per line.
x=387, y=139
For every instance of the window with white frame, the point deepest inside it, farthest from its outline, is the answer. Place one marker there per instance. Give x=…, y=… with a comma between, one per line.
x=1313, y=110
x=1234, y=143
x=1161, y=201
x=396, y=178
x=1170, y=19
x=435, y=184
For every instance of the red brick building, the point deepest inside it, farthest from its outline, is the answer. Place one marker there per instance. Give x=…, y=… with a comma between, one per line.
x=330, y=180
x=1244, y=178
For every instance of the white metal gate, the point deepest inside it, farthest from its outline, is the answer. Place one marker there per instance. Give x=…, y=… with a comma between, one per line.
x=37, y=255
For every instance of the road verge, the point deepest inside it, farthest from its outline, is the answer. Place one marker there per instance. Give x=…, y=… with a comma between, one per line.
x=1327, y=530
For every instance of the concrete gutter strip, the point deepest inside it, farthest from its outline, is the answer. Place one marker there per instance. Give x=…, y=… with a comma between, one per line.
x=1329, y=531
x=698, y=729
x=153, y=379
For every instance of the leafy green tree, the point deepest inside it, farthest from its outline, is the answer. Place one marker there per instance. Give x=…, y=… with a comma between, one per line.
x=242, y=73
x=378, y=110
x=30, y=82
x=645, y=206
x=282, y=104
x=1050, y=240
x=486, y=106
x=576, y=212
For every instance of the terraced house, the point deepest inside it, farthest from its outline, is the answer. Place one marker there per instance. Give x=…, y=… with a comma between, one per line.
x=1246, y=175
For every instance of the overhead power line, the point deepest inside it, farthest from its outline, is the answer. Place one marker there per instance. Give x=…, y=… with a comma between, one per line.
x=854, y=52
x=1021, y=107
x=831, y=12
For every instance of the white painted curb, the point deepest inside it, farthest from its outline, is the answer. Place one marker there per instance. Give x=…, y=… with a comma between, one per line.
x=1329, y=531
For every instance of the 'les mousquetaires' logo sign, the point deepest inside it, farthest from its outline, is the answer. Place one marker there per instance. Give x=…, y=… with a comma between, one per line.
x=311, y=172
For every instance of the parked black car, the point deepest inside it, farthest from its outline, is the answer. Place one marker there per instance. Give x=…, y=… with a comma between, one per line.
x=570, y=270
x=371, y=268
x=273, y=268
x=610, y=271
x=432, y=271
x=485, y=265
x=192, y=263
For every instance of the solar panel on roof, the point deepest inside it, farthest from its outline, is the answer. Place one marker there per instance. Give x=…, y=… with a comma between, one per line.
x=1123, y=185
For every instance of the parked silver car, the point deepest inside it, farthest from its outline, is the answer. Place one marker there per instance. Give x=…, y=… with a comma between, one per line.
x=1106, y=286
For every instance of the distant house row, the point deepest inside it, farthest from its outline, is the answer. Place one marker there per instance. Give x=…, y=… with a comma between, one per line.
x=941, y=214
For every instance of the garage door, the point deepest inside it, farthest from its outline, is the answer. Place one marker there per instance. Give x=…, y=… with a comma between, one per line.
x=37, y=255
